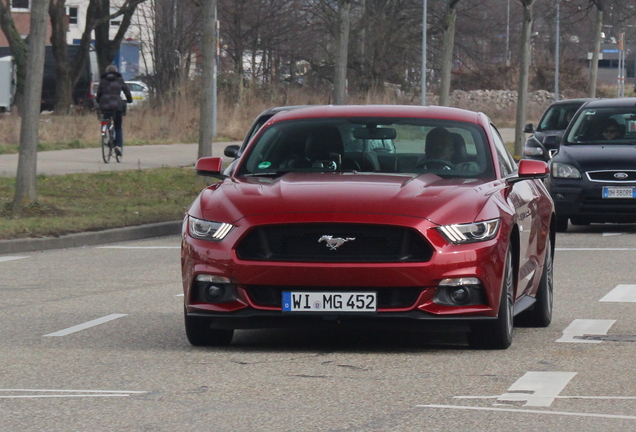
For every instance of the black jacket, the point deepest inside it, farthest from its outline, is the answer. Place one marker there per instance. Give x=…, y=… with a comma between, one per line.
x=111, y=85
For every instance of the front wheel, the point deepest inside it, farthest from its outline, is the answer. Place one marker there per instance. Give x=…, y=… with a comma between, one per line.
x=498, y=334
x=541, y=313
x=199, y=332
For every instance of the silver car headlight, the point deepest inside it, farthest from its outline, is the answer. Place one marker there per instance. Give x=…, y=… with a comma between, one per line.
x=561, y=170
x=471, y=232
x=208, y=230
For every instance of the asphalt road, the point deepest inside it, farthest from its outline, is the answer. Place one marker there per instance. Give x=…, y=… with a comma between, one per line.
x=93, y=339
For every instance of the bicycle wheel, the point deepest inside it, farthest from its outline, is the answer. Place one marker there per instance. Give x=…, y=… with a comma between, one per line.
x=107, y=149
x=120, y=153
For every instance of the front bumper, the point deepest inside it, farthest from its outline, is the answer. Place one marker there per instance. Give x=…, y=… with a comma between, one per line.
x=583, y=199
x=408, y=288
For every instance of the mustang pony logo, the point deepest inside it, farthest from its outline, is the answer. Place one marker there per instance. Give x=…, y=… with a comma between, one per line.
x=335, y=243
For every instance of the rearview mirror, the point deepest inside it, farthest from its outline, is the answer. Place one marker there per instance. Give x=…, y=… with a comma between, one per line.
x=374, y=133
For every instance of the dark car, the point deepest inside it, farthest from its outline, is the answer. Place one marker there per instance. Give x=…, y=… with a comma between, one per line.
x=234, y=151
x=593, y=174
x=553, y=121
x=438, y=230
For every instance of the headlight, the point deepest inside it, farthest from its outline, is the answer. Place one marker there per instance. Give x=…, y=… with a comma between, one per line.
x=208, y=230
x=532, y=151
x=470, y=233
x=560, y=170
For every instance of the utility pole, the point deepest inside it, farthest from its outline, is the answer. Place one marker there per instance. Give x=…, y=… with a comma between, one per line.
x=556, y=52
x=424, y=53
x=207, y=118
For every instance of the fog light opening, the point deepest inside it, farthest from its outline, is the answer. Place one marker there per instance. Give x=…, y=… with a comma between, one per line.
x=460, y=295
x=214, y=292
x=460, y=292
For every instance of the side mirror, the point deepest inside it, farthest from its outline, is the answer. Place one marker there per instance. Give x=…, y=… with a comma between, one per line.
x=529, y=128
x=530, y=169
x=232, y=151
x=210, y=166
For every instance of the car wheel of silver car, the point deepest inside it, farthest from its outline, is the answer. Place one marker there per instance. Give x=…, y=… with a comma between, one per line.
x=200, y=334
x=498, y=334
x=540, y=315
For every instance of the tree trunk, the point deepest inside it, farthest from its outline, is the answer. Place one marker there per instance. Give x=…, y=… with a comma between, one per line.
x=342, y=47
x=25, y=185
x=447, y=53
x=524, y=69
x=208, y=66
x=63, y=72
x=598, y=27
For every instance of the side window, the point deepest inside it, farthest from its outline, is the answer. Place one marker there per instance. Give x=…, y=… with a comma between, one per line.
x=20, y=5
x=72, y=14
x=507, y=163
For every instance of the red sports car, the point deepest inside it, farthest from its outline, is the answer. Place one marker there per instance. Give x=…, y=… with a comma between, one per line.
x=371, y=215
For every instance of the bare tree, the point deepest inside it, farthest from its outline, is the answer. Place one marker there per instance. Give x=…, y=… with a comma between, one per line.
x=598, y=27
x=447, y=51
x=524, y=69
x=25, y=184
x=18, y=46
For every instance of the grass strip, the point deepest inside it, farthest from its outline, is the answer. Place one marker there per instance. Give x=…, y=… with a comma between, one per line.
x=92, y=202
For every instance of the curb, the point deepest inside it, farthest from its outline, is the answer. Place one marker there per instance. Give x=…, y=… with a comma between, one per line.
x=113, y=235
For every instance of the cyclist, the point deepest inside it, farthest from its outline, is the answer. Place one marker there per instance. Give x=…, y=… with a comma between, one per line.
x=110, y=103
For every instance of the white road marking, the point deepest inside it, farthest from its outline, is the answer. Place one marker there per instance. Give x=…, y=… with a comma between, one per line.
x=69, y=393
x=612, y=234
x=622, y=293
x=12, y=258
x=562, y=413
x=581, y=327
x=537, y=388
x=179, y=295
x=595, y=249
x=86, y=325
x=138, y=247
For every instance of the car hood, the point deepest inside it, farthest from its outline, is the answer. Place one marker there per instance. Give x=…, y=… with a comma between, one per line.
x=426, y=196
x=591, y=157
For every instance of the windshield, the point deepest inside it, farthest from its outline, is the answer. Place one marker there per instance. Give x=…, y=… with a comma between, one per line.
x=379, y=145
x=557, y=117
x=616, y=125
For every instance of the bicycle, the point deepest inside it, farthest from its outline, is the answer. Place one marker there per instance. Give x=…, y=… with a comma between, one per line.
x=108, y=140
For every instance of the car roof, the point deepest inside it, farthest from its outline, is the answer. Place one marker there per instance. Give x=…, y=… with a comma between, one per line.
x=416, y=111
x=611, y=102
x=579, y=101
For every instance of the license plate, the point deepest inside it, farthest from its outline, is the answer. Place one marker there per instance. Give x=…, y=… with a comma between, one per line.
x=329, y=302
x=619, y=192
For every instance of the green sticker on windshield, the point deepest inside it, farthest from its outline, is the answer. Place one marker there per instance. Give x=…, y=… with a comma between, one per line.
x=264, y=165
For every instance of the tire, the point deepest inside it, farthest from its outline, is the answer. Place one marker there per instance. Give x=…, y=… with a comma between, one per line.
x=498, y=334
x=199, y=332
x=561, y=224
x=541, y=313
x=106, y=148
x=583, y=222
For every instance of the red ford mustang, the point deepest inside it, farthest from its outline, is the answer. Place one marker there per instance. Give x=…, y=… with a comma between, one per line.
x=371, y=215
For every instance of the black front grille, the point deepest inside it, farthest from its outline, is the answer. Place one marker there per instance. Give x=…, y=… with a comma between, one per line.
x=388, y=297
x=609, y=176
x=334, y=243
x=609, y=207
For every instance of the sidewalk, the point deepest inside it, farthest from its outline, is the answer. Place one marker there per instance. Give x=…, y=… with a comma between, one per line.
x=89, y=160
